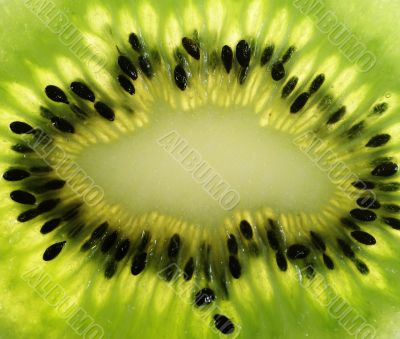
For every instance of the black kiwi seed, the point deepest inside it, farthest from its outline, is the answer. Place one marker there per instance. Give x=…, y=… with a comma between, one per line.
x=111, y=268
x=105, y=111
x=328, y=261
x=299, y=102
x=28, y=215
x=50, y=225
x=381, y=160
x=346, y=248
x=380, y=108
x=355, y=130
x=62, y=125
x=53, y=251
x=317, y=241
x=204, y=297
x=96, y=234
x=246, y=229
x=145, y=66
x=227, y=58
x=127, y=67
x=21, y=148
x=188, y=269
x=23, y=197
x=234, y=267
x=316, y=83
x=15, y=175
x=54, y=184
x=310, y=271
x=368, y=202
x=71, y=213
x=336, y=116
x=349, y=223
x=378, y=140
x=386, y=169
x=46, y=113
x=82, y=90
x=138, y=263
x=278, y=71
x=223, y=324
x=363, y=215
x=243, y=53
x=191, y=47
x=180, y=77
x=391, y=208
x=126, y=84
x=87, y=245
x=298, y=251
x=232, y=244
x=363, y=184
x=47, y=205
x=288, y=54
x=281, y=261
x=267, y=54
x=99, y=231
x=273, y=240
x=56, y=94
x=19, y=127
x=362, y=267
x=363, y=237
x=135, y=42
x=109, y=242
x=392, y=222
x=289, y=87
x=389, y=187
x=174, y=246
x=122, y=250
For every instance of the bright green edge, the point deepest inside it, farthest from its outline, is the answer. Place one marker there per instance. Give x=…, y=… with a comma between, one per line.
x=24, y=314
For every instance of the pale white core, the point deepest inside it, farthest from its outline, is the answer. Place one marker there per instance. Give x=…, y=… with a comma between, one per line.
x=140, y=172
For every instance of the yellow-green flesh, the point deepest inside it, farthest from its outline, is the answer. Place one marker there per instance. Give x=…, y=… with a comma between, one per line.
x=244, y=132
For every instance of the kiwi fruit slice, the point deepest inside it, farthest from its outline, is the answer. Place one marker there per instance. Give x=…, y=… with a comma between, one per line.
x=199, y=169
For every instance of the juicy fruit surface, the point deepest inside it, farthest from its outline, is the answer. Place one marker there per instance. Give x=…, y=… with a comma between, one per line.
x=273, y=291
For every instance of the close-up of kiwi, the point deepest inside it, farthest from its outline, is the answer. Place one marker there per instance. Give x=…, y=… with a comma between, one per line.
x=200, y=169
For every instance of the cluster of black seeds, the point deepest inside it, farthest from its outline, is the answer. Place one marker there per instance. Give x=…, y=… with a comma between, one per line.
x=248, y=239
